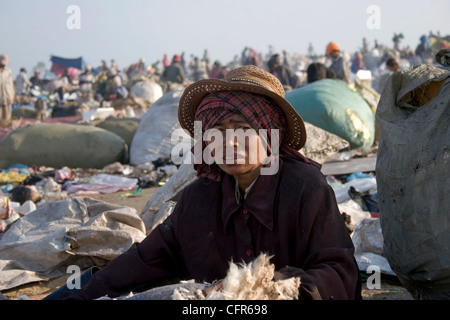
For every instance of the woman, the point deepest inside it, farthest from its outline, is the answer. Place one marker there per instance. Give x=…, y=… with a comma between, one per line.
x=250, y=200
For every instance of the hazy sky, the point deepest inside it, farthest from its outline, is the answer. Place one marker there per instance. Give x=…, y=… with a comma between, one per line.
x=126, y=30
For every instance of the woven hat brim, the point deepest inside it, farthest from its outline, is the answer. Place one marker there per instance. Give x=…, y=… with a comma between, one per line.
x=295, y=133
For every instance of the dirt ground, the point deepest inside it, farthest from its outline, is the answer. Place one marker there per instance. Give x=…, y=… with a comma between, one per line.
x=390, y=290
x=138, y=201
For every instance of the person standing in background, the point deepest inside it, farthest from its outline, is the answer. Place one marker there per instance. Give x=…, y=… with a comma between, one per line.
x=337, y=62
x=87, y=80
x=285, y=74
x=22, y=83
x=7, y=92
x=174, y=72
x=357, y=62
x=36, y=80
x=165, y=61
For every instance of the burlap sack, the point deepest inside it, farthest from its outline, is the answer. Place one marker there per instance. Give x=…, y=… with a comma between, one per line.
x=413, y=182
x=123, y=127
x=60, y=144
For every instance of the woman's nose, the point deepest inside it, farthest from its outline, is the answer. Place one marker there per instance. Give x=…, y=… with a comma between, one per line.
x=229, y=138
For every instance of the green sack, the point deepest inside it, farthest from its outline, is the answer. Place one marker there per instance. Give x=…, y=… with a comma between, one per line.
x=60, y=144
x=332, y=106
x=123, y=127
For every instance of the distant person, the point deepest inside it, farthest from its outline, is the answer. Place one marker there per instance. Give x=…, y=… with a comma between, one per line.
x=396, y=39
x=316, y=71
x=413, y=59
x=250, y=57
x=183, y=62
x=331, y=74
x=357, y=62
x=22, y=83
x=337, y=62
x=392, y=65
x=113, y=83
x=207, y=61
x=7, y=92
x=114, y=64
x=141, y=67
x=86, y=80
x=36, y=80
x=174, y=72
x=423, y=50
x=195, y=66
x=366, y=46
x=286, y=75
x=104, y=66
x=215, y=71
x=199, y=70
x=165, y=61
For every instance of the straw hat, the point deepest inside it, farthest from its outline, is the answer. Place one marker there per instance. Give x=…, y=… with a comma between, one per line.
x=250, y=79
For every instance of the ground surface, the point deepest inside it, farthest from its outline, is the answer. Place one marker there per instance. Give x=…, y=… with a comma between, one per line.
x=138, y=201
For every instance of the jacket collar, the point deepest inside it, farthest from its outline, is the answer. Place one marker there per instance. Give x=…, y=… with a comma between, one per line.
x=259, y=200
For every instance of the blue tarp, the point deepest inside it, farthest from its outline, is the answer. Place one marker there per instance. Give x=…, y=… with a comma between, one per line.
x=74, y=63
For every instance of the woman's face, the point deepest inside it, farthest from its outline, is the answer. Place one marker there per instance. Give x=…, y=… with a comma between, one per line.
x=242, y=148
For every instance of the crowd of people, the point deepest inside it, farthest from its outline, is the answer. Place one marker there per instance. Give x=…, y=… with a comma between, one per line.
x=109, y=82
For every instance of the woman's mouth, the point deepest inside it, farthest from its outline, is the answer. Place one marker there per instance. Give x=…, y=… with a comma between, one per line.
x=235, y=159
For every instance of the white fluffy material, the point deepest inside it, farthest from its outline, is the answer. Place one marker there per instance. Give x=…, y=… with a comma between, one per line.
x=253, y=281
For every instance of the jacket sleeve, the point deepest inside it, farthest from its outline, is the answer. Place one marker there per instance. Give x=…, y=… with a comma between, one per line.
x=151, y=263
x=328, y=269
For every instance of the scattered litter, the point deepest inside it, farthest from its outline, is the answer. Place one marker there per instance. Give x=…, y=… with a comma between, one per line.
x=12, y=177
x=131, y=194
x=63, y=174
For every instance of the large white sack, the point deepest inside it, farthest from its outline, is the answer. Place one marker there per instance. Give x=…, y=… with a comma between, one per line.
x=148, y=90
x=153, y=137
x=78, y=231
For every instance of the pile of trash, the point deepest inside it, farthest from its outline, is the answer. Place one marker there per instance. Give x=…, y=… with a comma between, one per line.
x=24, y=188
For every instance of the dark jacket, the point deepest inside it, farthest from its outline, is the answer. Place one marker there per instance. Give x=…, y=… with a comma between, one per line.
x=291, y=215
x=173, y=73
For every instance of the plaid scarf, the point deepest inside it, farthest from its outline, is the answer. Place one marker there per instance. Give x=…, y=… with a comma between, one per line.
x=258, y=110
